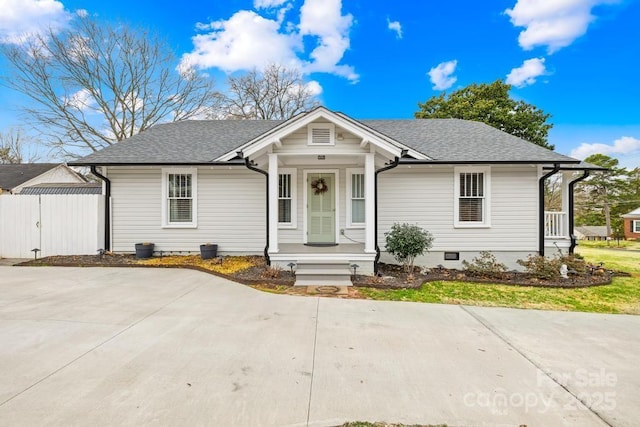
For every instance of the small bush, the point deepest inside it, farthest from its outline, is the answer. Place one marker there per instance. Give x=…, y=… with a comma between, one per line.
x=486, y=265
x=549, y=268
x=405, y=242
x=272, y=272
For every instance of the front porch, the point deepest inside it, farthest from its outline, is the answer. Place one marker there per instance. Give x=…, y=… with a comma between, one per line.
x=331, y=265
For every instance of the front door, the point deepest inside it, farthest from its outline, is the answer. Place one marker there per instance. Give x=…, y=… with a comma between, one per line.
x=321, y=208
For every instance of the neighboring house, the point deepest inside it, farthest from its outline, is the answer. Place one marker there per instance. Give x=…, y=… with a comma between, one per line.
x=591, y=232
x=632, y=224
x=323, y=188
x=15, y=177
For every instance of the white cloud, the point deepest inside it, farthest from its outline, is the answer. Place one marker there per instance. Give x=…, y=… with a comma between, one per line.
x=625, y=145
x=396, y=27
x=81, y=100
x=554, y=23
x=441, y=75
x=21, y=19
x=249, y=40
x=243, y=42
x=314, y=88
x=268, y=4
x=526, y=74
x=323, y=19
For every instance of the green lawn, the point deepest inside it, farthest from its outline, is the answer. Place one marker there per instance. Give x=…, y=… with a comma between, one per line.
x=621, y=296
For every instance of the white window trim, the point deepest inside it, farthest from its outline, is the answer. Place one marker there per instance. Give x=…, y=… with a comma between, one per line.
x=165, y=202
x=294, y=198
x=486, y=223
x=353, y=171
x=636, y=225
x=332, y=134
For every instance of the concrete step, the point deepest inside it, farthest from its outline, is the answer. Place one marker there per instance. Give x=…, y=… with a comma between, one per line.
x=323, y=273
x=323, y=281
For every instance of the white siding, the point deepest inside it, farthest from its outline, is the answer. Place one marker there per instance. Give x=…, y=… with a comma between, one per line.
x=425, y=196
x=231, y=211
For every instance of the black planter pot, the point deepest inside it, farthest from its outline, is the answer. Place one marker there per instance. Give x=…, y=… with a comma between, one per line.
x=144, y=250
x=208, y=251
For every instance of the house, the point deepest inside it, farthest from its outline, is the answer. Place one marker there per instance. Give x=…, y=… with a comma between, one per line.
x=321, y=189
x=591, y=232
x=15, y=177
x=632, y=224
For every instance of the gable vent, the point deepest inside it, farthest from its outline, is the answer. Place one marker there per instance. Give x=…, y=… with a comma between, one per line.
x=321, y=136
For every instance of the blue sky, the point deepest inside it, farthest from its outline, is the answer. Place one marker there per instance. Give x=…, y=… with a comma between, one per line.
x=576, y=59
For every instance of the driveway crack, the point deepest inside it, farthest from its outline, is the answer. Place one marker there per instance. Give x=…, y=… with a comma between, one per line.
x=100, y=345
x=313, y=361
x=506, y=340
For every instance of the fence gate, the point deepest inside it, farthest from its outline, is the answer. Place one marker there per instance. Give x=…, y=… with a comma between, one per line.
x=70, y=224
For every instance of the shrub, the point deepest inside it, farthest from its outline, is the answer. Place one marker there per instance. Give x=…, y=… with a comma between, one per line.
x=549, y=268
x=485, y=265
x=405, y=242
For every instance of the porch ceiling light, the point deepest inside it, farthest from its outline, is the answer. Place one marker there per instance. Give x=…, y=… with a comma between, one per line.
x=321, y=157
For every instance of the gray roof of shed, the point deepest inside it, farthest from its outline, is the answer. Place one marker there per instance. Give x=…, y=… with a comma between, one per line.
x=63, y=188
x=12, y=175
x=443, y=140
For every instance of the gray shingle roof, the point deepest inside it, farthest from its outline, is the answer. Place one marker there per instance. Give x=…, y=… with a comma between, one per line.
x=593, y=230
x=63, y=188
x=12, y=176
x=633, y=214
x=191, y=141
x=455, y=140
x=443, y=140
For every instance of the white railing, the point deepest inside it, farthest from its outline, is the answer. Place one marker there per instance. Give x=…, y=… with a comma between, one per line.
x=554, y=224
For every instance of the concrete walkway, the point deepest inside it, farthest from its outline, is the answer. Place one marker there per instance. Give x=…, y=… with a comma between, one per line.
x=125, y=346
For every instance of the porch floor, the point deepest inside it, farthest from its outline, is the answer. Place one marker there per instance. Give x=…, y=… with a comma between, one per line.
x=341, y=249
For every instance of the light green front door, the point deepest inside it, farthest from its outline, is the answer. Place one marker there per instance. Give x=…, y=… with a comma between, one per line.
x=321, y=208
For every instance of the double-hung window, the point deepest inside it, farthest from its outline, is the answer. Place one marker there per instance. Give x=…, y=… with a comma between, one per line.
x=635, y=226
x=472, y=198
x=179, y=197
x=287, y=198
x=355, y=198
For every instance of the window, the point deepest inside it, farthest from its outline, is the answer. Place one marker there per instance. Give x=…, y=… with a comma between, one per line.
x=321, y=134
x=287, y=198
x=635, y=226
x=179, y=197
x=472, y=197
x=355, y=198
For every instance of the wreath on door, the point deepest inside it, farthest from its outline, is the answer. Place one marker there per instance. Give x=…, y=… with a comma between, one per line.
x=319, y=186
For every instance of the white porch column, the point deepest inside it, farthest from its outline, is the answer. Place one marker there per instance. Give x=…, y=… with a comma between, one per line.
x=273, y=203
x=369, y=203
x=567, y=177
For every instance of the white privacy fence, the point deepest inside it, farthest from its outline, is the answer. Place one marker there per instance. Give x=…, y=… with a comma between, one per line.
x=70, y=224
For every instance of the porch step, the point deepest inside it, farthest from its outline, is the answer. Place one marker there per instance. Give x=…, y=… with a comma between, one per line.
x=323, y=273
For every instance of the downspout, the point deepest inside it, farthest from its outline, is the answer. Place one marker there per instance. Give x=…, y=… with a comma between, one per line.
x=556, y=168
x=107, y=208
x=392, y=165
x=249, y=166
x=574, y=243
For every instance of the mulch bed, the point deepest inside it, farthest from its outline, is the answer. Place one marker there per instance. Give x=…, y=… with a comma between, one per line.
x=390, y=276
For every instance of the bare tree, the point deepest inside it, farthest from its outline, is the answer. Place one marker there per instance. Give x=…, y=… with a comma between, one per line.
x=14, y=150
x=274, y=93
x=96, y=84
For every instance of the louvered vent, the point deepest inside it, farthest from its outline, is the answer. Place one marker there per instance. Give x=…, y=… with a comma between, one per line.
x=321, y=136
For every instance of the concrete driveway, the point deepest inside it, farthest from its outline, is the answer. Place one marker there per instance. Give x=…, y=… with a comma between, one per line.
x=125, y=346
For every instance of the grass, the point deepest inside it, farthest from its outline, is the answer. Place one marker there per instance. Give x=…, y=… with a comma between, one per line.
x=218, y=265
x=612, y=244
x=621, y=296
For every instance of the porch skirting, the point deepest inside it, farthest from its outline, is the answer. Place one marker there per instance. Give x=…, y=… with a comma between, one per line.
x=351, y=253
